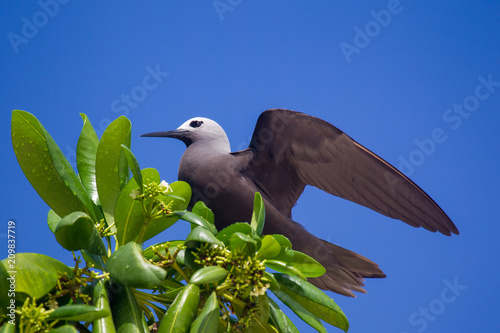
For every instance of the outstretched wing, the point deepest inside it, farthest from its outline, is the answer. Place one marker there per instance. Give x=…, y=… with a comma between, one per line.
x=292, y=149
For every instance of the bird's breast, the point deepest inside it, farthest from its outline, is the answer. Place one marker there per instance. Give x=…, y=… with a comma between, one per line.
x=217, y=182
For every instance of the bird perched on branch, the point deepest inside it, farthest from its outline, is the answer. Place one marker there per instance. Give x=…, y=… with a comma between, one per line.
x=288, y=151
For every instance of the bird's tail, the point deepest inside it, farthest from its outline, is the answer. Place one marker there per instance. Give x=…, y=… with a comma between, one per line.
x=345, y=270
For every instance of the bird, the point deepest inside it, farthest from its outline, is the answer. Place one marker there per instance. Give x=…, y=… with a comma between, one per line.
x=288, y=151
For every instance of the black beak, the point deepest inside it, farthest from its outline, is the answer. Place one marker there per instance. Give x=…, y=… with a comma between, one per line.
x=167, y=134
x=180, y=134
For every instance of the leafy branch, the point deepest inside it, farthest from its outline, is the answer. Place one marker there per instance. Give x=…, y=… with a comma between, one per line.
x=213, y=281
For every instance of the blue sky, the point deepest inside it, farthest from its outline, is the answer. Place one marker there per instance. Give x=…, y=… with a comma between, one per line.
x=417, y=82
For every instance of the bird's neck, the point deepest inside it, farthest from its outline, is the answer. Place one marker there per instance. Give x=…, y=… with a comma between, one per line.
x=204, y=152
x=212, y=147
x=200, y=156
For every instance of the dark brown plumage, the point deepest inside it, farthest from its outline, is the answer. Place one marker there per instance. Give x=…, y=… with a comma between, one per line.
x=288, y=151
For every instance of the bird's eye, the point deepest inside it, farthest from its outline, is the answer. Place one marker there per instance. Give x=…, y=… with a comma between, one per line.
x=196, y=123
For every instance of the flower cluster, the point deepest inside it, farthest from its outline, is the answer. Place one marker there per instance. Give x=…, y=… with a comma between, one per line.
x=244, y=283
x=154, y=207
x=164, y=258
x=33, y=317
x=152, y=189
x=71, y=284
x=211, y=255
x=103, y=228
x=246, y=275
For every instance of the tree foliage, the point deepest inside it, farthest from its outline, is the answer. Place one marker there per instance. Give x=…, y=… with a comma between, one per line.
x=213, y=281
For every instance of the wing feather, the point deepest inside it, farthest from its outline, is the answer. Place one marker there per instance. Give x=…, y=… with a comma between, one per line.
x=291, y=150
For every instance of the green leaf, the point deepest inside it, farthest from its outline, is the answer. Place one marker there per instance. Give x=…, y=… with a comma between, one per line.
x=200, y=234
x=257, y=239
x=307, y=265
x=77, y=231
x=8, y=328
x=313, y=299
x=284, y=242
x=269, y=278
x=36, y=274
x=301, y=311
x=134, y=166
x=95, y=260
x=187, y=258
x=286, y=254
x=195, y=219
x=283, y=323
x=258, y=214
x=260, y=321
x=263, y=304
x=181, y=193
x=126, y=313
x=127, y=266
x=269, y=248
x=111, y=165
x=202, y=210
x=292, y=261
x=52, y=220
x=100, y=299
x=68, y=175
x=225, y=234
x=182, y=312
x=86, y=153
x=260, y=324
x=208, y=319
x=283, y=267
x=168, y=296
x=260, y=327
x=209, y=274
x=78, y=312
x=46, y=167
x=242, y=243
x=64, y=329
x=129, y=215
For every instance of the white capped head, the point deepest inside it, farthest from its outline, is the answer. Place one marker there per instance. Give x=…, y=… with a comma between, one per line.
x=198, y=130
